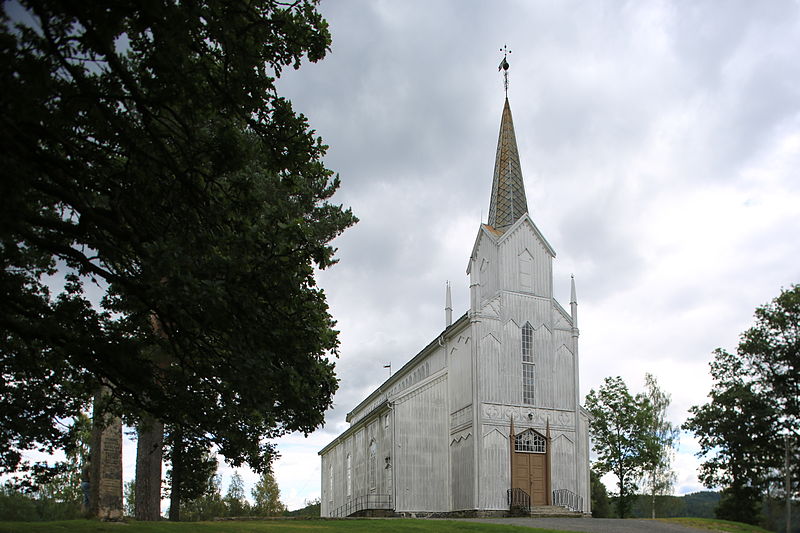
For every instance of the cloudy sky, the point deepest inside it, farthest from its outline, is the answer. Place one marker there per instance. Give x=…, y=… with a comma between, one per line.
x=660, y=145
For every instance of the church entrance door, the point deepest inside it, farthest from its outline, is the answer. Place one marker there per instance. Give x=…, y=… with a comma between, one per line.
x=529, y=466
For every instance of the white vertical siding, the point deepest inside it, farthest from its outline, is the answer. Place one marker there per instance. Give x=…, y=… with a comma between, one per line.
x=446, y=440
x=462, y=467
x=495, y=469
x=512, y=246
x=563, y=377
x=493, y=367
x=360, y=462
x=563, y=461
x=421, y=465
x=459, y=374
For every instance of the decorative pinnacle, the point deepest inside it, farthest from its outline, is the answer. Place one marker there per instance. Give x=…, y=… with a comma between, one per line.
x=504, y=66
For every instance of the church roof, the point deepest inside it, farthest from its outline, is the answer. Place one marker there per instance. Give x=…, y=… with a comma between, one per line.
x=508, y=202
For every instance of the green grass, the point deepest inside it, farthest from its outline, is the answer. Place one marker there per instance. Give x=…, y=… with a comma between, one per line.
x=267, y=526
x=715, y=525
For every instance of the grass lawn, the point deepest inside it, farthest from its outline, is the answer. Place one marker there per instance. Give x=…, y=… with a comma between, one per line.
x=267, y=526
x=716, y=525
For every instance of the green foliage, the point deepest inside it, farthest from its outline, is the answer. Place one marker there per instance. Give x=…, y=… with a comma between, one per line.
x=621, y=436
x=311, y=509
x=665, y=506
x=658, y=476
x=191, y=467
x=129, y=497
x=701, y=504
x=205, y=507
x=717, y=526
x=739, y=504
x=149, y=159
x=235, y=500
x=266, y=496
x=18, y=506
x=366, y=525
x=754, y=403
x=601, y=505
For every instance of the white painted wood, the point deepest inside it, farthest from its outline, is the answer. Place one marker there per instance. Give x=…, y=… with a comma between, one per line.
x=441, y=423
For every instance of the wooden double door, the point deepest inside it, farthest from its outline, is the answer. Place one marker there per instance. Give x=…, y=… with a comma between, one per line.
x=529, y=473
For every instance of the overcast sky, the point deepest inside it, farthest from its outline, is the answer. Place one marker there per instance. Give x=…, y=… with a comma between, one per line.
x=659, y=143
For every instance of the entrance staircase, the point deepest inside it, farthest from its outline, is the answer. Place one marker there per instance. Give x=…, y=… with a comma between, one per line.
x=566, y=504
x=553, y=511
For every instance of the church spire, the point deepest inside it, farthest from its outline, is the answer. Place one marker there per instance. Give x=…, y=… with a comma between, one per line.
x=508, y=202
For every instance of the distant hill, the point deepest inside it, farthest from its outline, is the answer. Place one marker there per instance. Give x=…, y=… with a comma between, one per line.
x=311, y=510
x=696, y=505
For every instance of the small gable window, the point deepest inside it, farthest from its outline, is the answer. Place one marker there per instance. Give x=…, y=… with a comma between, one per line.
x=525, y=271
x=530, y=441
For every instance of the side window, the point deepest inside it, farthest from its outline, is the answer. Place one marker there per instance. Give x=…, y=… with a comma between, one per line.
x=373, y=466
x=528, y=366
x=330, y=481
x=349, y=476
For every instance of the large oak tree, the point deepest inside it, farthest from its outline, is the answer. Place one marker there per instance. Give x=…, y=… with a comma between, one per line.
x=149, y=160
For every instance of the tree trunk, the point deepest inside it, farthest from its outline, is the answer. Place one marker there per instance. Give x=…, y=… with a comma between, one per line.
x=149, y=447
x=177, y=477
x=653, y=504
x=788, y=486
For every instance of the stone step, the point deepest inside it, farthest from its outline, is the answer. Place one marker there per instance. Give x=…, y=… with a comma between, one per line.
x=554, y=511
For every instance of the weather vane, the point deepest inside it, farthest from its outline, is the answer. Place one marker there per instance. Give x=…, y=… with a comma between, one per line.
x=504, y=66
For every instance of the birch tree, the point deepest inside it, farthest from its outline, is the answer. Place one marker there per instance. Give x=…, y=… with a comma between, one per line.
x=659, y=476
x=621, y=436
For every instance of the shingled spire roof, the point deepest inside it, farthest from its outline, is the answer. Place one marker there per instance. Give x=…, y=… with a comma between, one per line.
x=508, y=202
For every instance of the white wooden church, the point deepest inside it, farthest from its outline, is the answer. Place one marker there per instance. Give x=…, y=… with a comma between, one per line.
x=487, y=415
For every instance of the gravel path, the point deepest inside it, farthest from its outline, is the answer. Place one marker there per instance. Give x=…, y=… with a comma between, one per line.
x=592, y=525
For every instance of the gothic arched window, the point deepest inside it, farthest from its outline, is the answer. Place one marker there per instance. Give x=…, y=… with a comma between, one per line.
x=530, y=441
x=349, y=476
x=373, y=466
x=330, y=482
x=528, y=366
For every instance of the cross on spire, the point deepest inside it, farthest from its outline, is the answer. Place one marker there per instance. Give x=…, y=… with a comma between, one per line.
x=504, y=66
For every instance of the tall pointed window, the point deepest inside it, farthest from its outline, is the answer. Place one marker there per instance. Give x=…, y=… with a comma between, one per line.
x=330, y=482
x=349, y=476
x=372, y=466
x=528, y=366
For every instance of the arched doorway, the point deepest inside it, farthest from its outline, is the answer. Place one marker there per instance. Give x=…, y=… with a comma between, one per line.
x=530, y=465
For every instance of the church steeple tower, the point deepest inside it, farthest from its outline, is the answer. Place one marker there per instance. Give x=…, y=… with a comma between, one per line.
x=508, y=202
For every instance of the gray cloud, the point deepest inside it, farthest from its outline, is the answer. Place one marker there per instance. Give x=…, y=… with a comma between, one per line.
x=659, y=144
